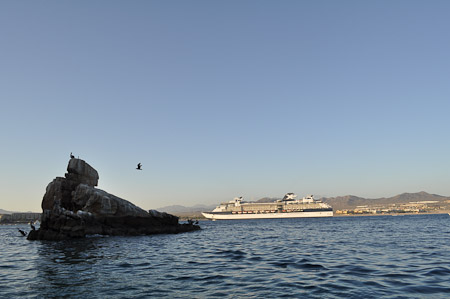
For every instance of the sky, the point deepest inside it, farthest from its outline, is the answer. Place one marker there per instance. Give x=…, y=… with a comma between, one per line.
x=219, y=99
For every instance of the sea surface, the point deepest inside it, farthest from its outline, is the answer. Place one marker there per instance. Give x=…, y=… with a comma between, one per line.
x=340, y=257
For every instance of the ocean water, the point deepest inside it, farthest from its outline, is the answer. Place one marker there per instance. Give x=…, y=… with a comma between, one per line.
x=340, y=257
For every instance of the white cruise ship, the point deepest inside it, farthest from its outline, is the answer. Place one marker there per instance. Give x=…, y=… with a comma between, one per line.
x=288, y=207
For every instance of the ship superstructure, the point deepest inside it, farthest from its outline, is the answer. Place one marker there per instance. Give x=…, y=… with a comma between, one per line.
x=288, y=207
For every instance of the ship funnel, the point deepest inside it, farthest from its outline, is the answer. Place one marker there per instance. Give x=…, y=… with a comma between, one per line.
x=289, y=196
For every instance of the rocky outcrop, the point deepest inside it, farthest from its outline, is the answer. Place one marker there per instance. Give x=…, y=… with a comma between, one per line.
x=80, y=171
x=72, y=208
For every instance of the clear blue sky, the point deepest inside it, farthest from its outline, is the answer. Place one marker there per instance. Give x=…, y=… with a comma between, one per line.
x=219, y=99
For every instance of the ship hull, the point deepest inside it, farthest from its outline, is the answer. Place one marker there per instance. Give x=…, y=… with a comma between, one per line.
x=230, y=216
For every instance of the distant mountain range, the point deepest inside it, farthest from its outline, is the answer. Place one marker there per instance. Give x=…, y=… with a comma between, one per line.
x=181, y=210
x=350, y=201
x=338, y=203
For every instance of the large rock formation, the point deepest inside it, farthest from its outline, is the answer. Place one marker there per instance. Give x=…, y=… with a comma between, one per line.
x=73, y=208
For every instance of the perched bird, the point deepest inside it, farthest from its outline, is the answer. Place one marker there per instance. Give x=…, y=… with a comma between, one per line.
x=32, y=226
x=71, y=156
x=139, y=166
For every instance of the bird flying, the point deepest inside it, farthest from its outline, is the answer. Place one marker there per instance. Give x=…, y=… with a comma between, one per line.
x=139, y=166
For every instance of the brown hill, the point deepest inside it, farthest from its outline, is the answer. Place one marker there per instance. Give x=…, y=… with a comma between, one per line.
x=267, y=199
x=351, y=201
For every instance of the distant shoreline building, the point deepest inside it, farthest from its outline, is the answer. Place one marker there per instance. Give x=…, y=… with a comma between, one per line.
x=20, y=217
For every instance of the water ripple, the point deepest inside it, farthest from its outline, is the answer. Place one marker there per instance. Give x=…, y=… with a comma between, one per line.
x=354, y=257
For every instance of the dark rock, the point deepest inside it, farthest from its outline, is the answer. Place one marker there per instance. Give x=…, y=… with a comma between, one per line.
x=73, y=208
x=79, y=171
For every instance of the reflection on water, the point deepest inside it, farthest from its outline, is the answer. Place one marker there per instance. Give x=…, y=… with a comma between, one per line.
x=371, y=257
x=68, y=266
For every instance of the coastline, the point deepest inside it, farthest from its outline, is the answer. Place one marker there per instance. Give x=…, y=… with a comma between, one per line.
x=197, y=216
x=391, y=214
